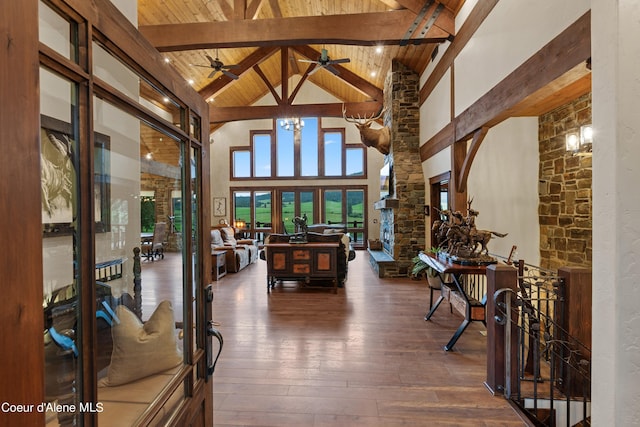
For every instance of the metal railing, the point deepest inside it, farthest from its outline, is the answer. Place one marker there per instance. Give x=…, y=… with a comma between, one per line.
x=553, y=369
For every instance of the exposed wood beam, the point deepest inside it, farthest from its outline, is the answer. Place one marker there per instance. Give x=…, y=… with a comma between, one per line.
x=562, y=55
x=477, y=16
x=230, y=114
x=266, y=81
x=247, y=63
x=254, y=8
x=364, y=29
x=348, y=76
x=438, y=142
x=293, y=64
x=463, y=174
x=284, y=76
x=227, y=10
x=239, y=9
x=275, y=8
x=458, y=198
x=302, y=80
x=413, y=5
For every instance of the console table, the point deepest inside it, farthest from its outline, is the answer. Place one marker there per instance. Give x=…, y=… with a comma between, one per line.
x=302, y=262
x=458, y=293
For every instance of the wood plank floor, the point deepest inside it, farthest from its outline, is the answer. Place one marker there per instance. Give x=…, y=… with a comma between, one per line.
x=363, y=357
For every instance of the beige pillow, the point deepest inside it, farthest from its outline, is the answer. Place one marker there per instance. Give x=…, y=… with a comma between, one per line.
x=229, y=236
x=140, y=350
x=216, y=238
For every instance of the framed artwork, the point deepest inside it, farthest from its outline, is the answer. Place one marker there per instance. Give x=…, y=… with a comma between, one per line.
x=58, y=178
x=219, y=206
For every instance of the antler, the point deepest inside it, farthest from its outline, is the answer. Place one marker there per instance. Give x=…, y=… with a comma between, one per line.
x=359, y=120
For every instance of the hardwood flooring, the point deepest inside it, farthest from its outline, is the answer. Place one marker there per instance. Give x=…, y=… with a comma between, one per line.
x=363, y=357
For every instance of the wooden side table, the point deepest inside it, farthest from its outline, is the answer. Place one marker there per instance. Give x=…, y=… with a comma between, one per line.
x=219, y=264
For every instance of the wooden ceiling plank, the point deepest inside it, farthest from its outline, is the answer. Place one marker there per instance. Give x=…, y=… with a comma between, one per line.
x=349, y=77
x=413, y=5
x=247, y=63
x=352, y=29
x=393, y=4
x=229, y=114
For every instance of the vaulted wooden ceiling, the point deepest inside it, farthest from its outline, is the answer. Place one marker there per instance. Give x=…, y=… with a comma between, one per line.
x=266, y=39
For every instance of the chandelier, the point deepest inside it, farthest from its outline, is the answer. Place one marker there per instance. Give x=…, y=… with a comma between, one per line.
x=292, y=124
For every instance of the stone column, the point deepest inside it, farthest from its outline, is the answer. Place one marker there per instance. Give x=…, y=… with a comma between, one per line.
x=402, y=98
x=615, y=31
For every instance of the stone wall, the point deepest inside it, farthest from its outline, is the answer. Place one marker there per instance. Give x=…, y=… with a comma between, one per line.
x=564, y=189
x=402, y=228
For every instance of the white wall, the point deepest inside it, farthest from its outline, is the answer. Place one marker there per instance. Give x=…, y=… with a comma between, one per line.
x=616, y=210
x=512, y=33
x=237, y=134
x=504, y=177
x=503, y=182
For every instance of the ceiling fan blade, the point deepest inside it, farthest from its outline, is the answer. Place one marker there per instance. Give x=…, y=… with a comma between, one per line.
x=226, y=67
x=199, y=65
x=211, y=61
x=213, y=73
x=308, y=60
x=315, y=70
x=333, y=70
x=340, y=61
x=230, y=75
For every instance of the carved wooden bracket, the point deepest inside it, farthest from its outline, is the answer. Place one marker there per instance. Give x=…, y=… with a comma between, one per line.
x=463, y=174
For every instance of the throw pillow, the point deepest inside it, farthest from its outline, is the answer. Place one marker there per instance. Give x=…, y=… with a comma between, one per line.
x=140, y=350
x=216, y=238
x=229, y=236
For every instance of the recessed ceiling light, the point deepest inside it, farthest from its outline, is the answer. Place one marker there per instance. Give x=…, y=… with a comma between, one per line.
x=373, y=74
x=149, y=156
x=166, y=100
x=190, y=81
x=166, y=60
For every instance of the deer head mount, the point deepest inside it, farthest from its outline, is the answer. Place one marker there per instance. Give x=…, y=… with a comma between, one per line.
x=380, y=139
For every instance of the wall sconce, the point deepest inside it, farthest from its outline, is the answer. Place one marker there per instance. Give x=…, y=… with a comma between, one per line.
x=240, y=224
x=580, y=143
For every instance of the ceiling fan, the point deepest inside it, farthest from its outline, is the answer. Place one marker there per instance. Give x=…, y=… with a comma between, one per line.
x=326, y=62
x=218, y=66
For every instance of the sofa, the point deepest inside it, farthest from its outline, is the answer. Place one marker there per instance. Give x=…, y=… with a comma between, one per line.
x=345, y=254
x=239, y=252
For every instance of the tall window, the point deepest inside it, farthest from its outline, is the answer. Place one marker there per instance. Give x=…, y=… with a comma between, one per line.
x=309, y=152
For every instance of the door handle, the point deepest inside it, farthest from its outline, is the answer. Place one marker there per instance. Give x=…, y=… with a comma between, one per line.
x=211, y=333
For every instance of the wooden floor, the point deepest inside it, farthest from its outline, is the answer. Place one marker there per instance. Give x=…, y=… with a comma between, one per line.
x=363, y=357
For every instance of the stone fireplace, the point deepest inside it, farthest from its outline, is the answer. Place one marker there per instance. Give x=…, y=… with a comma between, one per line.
x=402, y=220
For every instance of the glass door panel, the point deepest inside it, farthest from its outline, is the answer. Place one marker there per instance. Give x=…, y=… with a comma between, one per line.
x=355, y=215
x=333, y=207
x=288, y=211
x=141, y=279
x=307, y=205
x=61, y=254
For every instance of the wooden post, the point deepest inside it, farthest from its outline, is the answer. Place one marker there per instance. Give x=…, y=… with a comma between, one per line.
x=500, y=277
x=574, y=316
